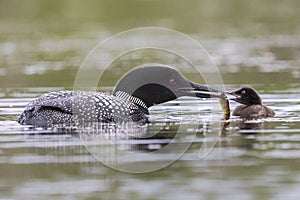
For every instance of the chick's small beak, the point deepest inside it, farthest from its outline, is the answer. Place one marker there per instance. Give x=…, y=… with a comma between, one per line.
x=232, y=96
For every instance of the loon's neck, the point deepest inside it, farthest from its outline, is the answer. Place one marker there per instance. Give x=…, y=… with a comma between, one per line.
x=142, y=106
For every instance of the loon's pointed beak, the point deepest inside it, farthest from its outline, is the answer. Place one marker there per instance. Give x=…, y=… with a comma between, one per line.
x=202, y=91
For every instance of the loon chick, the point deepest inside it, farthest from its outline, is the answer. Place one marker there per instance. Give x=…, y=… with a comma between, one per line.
x=134, y=94
x=253, y=107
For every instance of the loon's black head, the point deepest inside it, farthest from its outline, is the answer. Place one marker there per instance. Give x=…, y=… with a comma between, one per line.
x=157, y=84
x=247, y=96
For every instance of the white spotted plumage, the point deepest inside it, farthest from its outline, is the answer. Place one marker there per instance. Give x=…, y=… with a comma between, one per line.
x=76, y=106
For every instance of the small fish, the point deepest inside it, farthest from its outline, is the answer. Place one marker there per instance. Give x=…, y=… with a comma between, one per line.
x=225, y=105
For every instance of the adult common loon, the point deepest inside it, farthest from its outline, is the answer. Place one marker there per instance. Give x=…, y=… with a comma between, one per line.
x=134, y=94
x=253, y=107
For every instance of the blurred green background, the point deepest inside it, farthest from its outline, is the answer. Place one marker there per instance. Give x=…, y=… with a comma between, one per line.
x=43, y=42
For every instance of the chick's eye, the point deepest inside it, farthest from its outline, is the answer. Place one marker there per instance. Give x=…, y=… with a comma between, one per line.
x=243, y=92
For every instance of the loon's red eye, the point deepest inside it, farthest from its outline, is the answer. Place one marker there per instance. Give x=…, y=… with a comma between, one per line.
x=172, y=81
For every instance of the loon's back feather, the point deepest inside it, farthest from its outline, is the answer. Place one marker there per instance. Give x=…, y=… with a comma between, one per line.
x=76, y=106
x=62, y=100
